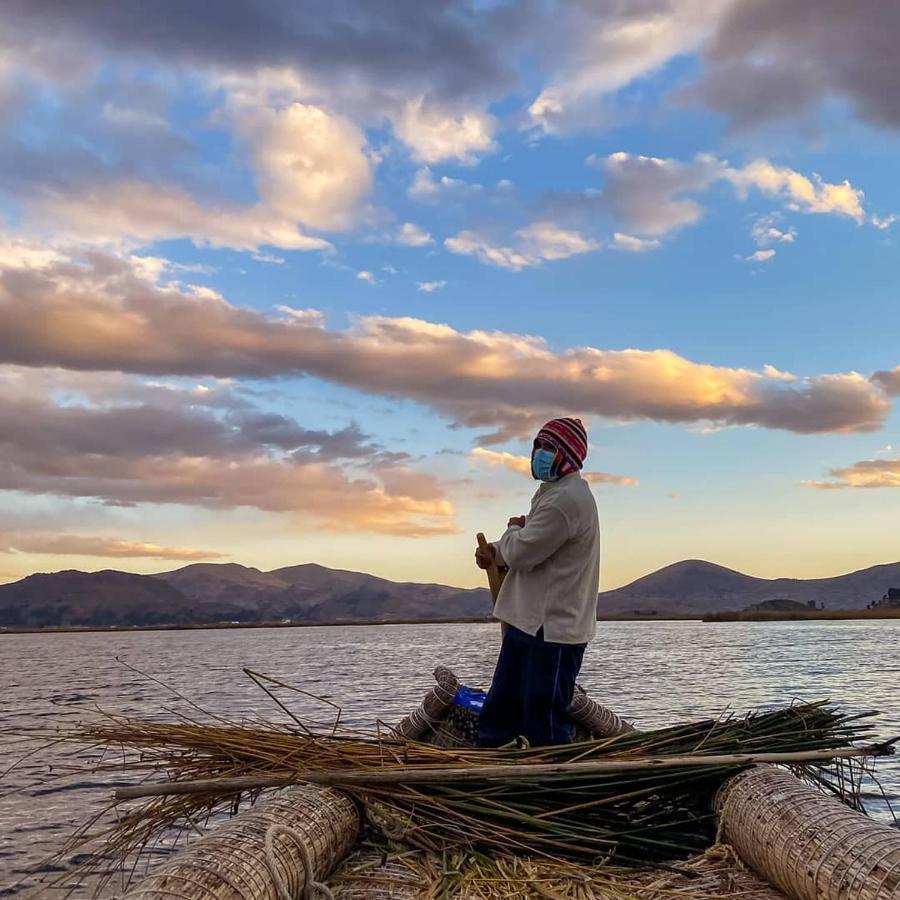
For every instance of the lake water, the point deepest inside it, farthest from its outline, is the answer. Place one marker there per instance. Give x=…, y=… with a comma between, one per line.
x=656, y=673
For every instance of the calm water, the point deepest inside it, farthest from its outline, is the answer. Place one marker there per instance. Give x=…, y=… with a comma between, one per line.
x=655, y=673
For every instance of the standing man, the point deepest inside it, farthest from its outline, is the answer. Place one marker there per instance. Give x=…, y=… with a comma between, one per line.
x=548, y=601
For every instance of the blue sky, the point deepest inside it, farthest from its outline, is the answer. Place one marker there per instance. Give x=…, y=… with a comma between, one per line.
x=305, y=295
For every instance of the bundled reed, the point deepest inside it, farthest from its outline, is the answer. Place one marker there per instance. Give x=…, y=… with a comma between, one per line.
x=564, y=810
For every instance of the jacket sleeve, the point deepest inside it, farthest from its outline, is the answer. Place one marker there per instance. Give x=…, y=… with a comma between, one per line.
x=544, y=532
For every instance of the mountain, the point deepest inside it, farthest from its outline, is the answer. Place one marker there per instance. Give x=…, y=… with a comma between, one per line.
x=207, y=593
x=92, y=599
x=696, y=586
x=313, y=593
x=210, y=593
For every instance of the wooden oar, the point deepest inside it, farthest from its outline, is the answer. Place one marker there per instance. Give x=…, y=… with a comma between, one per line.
x=494, y=575
x=431, y=774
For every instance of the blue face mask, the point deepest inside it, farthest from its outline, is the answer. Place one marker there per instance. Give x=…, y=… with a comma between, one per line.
x=542, y=465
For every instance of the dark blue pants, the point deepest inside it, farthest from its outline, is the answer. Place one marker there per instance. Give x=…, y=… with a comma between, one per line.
x=531, y=691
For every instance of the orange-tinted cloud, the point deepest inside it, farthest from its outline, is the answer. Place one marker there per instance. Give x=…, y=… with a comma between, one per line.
x=522, y=464
x=89, y=545
x=168, y=446
x=606, y=478
x=868, y=473
x=104, y=314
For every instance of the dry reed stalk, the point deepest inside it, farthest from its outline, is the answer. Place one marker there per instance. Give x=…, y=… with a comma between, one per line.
x=569, y=811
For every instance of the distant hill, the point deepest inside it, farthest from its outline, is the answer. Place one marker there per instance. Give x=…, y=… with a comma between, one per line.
x=204, y=594
x=696, y=586
x=208, y=593
x=92, y=599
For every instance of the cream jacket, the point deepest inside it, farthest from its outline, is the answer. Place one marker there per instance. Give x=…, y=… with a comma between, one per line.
x=554, y=564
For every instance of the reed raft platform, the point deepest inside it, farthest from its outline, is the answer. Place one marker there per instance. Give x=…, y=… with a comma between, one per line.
x=778, y=839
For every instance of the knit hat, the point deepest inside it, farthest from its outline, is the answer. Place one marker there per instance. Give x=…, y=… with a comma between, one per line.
x=569, y=438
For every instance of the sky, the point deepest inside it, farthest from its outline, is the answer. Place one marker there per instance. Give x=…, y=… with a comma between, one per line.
x=299, y=282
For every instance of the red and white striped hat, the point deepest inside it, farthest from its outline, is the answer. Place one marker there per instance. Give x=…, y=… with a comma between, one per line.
x=569, y=437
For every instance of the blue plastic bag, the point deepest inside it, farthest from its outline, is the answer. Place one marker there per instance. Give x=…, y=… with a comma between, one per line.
x=469, y=698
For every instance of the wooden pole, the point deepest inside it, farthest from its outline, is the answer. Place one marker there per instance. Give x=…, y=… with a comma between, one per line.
x=494, y=575
x=430, y=774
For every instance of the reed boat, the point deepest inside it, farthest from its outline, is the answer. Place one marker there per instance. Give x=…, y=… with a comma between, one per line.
x=776, y=838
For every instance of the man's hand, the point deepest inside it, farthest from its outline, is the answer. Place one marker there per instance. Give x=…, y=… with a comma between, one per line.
x=516, y=520
x=484, y=556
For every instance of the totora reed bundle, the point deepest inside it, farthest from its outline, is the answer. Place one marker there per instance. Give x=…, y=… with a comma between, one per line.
x=633, y=799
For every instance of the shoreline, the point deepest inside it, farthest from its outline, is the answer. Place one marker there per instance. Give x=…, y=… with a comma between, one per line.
x=739, y=616
x=219, y=626
x=824, y=615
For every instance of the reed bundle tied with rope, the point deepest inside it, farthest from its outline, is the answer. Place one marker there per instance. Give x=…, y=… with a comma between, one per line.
x=599, y=800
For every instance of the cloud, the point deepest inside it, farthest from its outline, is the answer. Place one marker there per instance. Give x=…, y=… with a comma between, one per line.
x=597, y=49
x=657, y=197
x=428, y=189
x=366, y=276
x=769, y=60
x=868, y=473
x=882, y=223
x=766, y=232
x=511, y=461
x=536, y=243
x=760, y=256
x=411, y=235
x=310, y=166
x=889, y=380
x=449, y=50
x=310, y=169
x=99, y=313
x=429, y=287
x=522, y=465
x=109, y=213
x=87, y=545
x=125, y=443
x=647, y=193
x=436, y=135
x=606, y=478
x=633, y=244
x=803, y=194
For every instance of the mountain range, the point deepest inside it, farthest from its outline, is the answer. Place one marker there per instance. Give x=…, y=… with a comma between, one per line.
x=208, y=593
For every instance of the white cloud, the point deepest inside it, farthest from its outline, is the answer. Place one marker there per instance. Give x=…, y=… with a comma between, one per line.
x=633, y=244
x=766, y=233
x=435, y=135
x=656, y=197
x=534, y=244
x=366, y=276
x=411, y=235
x=760, y=256
x=604, y=47
x=310, y=165
x=428, y=189
x=429, y=287
x=883, y=222
x=812, y=195
x=311, y=170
